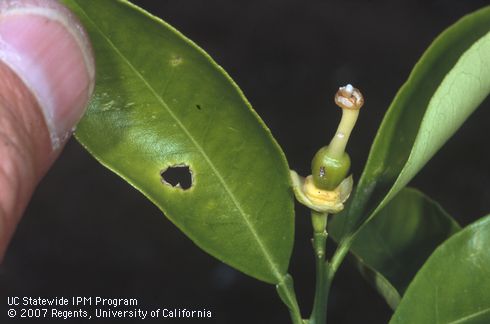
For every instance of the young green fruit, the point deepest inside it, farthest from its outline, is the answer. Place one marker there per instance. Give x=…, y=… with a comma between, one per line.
x=328, y=172
x=331, y=163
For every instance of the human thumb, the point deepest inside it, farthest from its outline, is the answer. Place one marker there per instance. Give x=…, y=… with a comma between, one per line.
x=46, y=79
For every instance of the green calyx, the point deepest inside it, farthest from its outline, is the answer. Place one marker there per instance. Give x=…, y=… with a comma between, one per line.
x=327, y=171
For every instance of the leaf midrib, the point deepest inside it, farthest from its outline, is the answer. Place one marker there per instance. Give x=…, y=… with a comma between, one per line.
x=470, y=316
x=248, y=224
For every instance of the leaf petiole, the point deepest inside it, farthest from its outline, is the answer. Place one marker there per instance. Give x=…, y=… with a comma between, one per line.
x=285, y=290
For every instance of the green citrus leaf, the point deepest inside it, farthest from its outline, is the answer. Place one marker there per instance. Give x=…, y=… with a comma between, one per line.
x=452, y=286
x=393, y=246
x=448, y=83
x=162, y=104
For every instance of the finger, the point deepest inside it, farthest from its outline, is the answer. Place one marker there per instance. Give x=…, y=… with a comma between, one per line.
x=46, y=79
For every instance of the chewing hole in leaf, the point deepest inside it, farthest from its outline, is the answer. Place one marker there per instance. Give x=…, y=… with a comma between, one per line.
x=177, y=176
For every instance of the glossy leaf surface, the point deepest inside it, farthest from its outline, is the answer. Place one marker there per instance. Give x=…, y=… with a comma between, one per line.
x=393, y=246
x=448, y=83
x=453, y=285
x=162, y=102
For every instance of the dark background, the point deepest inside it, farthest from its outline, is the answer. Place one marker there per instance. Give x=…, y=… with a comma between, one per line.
x=87, y=233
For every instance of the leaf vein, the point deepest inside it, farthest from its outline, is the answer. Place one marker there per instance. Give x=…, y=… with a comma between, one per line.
x=468, y=317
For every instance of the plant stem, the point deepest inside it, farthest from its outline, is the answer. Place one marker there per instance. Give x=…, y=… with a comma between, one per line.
x=322, y=285
x=285, y=289
x=325, y=271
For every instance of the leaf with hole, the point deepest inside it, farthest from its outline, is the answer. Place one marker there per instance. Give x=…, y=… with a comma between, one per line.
x=448, y=83
x=171, y=122
x=392, y=246
x=452, y=286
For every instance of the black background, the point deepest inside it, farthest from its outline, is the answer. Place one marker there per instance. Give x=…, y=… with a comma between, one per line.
x=87, y=233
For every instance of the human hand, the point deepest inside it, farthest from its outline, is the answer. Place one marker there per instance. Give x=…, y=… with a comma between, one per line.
x=47, y=75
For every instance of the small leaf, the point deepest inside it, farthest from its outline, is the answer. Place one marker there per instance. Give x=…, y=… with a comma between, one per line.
x=392, y=246
x=162, y=105
x=448, y=83
x=453, y=285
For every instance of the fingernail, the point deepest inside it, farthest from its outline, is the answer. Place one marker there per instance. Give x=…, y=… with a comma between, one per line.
x=47, y=47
